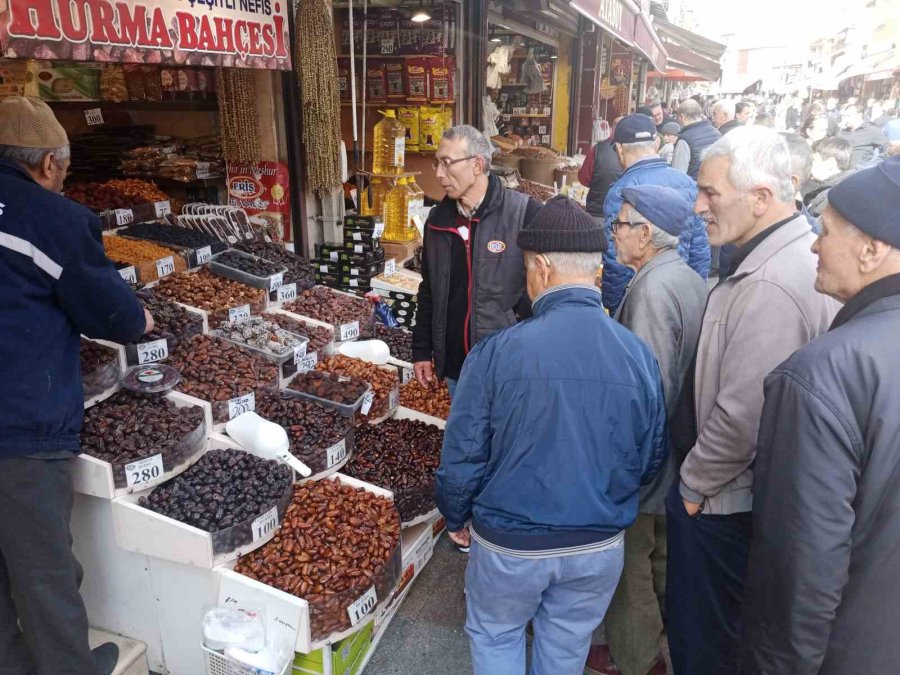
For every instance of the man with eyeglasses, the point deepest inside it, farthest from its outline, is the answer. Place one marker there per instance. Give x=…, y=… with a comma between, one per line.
x=473, y=275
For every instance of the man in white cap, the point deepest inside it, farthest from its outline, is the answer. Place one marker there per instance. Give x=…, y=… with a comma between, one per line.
x=55, y=284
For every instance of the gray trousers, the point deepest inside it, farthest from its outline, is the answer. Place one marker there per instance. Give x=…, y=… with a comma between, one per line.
x=43, y=622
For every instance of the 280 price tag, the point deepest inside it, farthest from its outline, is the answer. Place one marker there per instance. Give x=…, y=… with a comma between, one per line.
x=151, y=352
x=363, y=606
x=349, y=331
x=238, y=314
x=144, y=470
x=204, y=255
x=265, y=524
x=287, y=293
x=241, y=404
x=337, y=453
x=129, y=274
x=165, y=266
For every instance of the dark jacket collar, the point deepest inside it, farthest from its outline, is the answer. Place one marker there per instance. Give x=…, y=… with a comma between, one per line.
x=579, y=293
x=446, y=212
x=741, y=254
x=15, y=170
x=875, y=291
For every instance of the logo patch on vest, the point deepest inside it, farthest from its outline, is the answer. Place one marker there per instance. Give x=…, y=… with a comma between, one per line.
x=496, y=246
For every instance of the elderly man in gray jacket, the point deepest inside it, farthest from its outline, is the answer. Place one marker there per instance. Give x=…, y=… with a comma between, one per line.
x=763, y=309
x=663, y=305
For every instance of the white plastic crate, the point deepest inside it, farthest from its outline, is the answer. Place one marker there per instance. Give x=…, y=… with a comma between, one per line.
x=219, y=664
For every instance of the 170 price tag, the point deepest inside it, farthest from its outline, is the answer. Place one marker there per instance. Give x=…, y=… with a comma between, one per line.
x=390, y=267
x=307, y=363
x=144, y=470
x=237, y=314
x=349, y=331
x=363, y=606
x=241, y=404
x=124, y=216
x=265, y=524
x=276, y=281
x=287, y=293
x=368, y=400
x=337, y=453
x=165, y=266
x=204, y=255
x=151, y=352
x=129, y=274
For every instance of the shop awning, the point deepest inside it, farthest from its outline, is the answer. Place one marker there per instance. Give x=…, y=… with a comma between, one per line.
x=875, y=66
x=648, y=43
x=625, y=21
x=686, y=66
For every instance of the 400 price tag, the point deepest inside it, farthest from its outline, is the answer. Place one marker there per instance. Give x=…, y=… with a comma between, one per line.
x=144, y=470
x=265, y=524
x=241, y=404
x=151, y=352
x=363, y=606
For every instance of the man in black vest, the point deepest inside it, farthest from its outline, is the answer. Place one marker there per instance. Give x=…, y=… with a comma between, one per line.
x=601, y=169
x=697, y=134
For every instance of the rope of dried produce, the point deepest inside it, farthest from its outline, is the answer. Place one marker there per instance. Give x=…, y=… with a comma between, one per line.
x=237, y=114
x=316, y=64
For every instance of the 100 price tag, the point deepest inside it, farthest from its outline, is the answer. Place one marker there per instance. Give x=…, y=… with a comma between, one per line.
x=265, y=524
x=151, y=352
x=144, y=470
x=363, y=606
x=241, y=404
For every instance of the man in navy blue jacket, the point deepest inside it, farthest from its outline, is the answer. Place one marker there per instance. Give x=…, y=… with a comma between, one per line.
x=558, y=422
x=55, y=283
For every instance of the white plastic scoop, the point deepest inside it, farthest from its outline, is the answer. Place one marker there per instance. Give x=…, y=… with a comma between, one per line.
x=373, y=351
x=265, y=439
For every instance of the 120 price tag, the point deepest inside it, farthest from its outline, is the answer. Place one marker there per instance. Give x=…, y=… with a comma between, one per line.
x=337, y=453
x=165, y=266
x=124, y=216
x=276, y=281
x=241, y=404
x=204, y=255
x=129, y=274
x=238, y=314
x=363, y=606
x=307, y=363
x=144, y=470
x=151, y=352
x=349, y=331
x=265, y=524
x=287, y=293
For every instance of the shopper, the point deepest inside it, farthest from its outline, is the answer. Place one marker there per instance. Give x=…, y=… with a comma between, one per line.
x=762, y=310
x=55, y=283
x=557, y=423
x=697, y=134
x=600, y=170
x=669, y=133
x=831, y=165
x=723, y=116
x=663, y=306
x=744, y=112
x=864, y=138
x=473, y=278
x=636, y=142
x=821, y=594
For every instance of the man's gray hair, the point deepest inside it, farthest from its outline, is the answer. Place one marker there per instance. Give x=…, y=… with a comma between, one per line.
x=573, y=264
x=726, y=107
x=32, y=158
x=801, y=156
x=478, y=145
x=759, y=157
x=659, y=238
x=641, y=147
x=690, y=110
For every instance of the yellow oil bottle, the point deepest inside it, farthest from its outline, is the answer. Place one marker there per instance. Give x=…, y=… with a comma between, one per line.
x=396, y=214
x=373, y=201
x=389, y=149
x=416, y=204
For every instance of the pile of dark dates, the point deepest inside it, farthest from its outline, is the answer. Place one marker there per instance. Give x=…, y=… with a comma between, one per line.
x=248, y=264
x=335, y=388
x=99, y=368
x=399, y=341
x=172, y=322
x=324, y=304
x=300, y=271
x=319, y=336
x=174, y=235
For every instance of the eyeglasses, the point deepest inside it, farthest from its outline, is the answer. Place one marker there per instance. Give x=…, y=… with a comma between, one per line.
x=616, y=224
x=446, y=162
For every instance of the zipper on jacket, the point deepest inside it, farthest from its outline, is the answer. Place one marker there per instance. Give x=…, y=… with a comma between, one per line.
x=467, y=242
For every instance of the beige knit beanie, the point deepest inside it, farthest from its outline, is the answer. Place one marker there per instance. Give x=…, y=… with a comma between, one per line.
x=27, y=122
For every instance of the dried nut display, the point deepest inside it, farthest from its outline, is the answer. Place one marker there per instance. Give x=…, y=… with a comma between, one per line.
x=127, y=427
x=334, y=544
x=381, y=379
x=100, y=197
x=250, y=265
x=540, y=192
x=172, y=323
x=99, y=368
x=216, y=370
x=434, y=402
x=261, y=333
x=535, y=153
x=222, y=493
x=324, y=304
x=300, y=271
x=401, y=456
x=336, y=388
x=399, y=341
x=404, y=281
x=174, y=235
x=215, y=294
x=312, y=428
x=139, y=189
x=142, y=254
x=319, y=336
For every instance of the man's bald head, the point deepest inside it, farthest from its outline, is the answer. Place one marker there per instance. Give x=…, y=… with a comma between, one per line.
x=690, y=111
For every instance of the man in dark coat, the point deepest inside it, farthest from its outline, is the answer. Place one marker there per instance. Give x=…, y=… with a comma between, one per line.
x=601, y=169
x=865, y=138
x=822, y=595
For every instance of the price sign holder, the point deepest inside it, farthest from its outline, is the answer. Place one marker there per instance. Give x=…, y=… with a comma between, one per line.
x=287, y=293
x=276, y=281
x=363, y=606
x=204, y=255
x=337, y=453
x=307, y=363
x=151, y=352
x=265, y=524
x=284, y=614
x=390, y=267
x=123, y=216
x=165, y=266
x=378, y=229
x=406, y=374
x=129, y=274
x=349, y=331
x=241, y=404
x=162, y=209
x=93, y=116
x=368, y=400
x=241, y=313
x=144, y=470
x=394, y=398
x=299, y=354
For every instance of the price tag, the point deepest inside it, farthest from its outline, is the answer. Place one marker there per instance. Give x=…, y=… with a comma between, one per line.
x=390, y=267
x=337, y=453
x=265, y=524
x=354, y=283
x=324, y=269
x=299, y=354
x=128, y=274
x=204, y=255
x=542, y=129
x=417, y=221
x=362, y=607
x=144, y=470
x=165, y=266
x=378, y=230
x=358, y=248
x=238, y=314
x=241, y=404
x=307, y=363
x=124, y=216
x=354, y=271
x=349, y=331
x=406, y=374
x=287, y=292
x=163, y=209
x=357, y=236
x=276, y=281
x=94, y=116
x=547, y=110
x=333, y=256
x=368, y=400
x=151, y=352
x=394, y=398
x=387, y=46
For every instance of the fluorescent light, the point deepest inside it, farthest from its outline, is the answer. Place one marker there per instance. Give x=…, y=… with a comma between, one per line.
x=554, y=56
x=421, y=16
x=496, y=40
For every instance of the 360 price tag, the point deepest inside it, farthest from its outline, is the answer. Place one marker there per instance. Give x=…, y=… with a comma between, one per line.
x=363, y=606
x=151, y=352
x=265, y=524
x=299, y=354
x=390, y=267
x=144, y=470
x=124, y=216
x=276, y=281
x=349, y=331
x=204, y=255
x=307, y=363
x=241, y=404
x=337, y=453
x=165, y=266
x=238, y=314
x=129, y=274
x=287, y=293
x=368, y=400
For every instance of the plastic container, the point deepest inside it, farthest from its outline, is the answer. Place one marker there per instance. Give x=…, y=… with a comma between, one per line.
x=299, y=385
x=396, y=214
x=389, y=146
x=267, y=283
x=219, y=664
x=291, y=354
x=155, y=378
x=101, y=368
x=372, y=202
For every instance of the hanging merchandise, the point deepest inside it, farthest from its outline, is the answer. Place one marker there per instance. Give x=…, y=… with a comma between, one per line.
x=237, y=114
x=316, y=64
x=409, y=118
x=498, y=65
x=431, y=127
x=490, y=115
x=532, y=77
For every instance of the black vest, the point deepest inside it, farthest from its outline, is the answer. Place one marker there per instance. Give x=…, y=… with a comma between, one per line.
x=606, y=172
x=699, y=136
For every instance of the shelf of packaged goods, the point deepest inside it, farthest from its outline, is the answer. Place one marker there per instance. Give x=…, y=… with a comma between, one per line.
x=164, y=106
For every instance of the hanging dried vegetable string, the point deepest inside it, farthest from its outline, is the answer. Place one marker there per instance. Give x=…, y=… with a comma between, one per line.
x=316, y=64
x=237, y=114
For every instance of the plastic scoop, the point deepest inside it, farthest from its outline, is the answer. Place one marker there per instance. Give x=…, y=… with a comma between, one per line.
x=265, y=439
x=373, y=351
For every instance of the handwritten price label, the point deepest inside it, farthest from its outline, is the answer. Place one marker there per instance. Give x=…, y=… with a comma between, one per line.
x=390, y=267
x=362, y=607
x=379, y=229
x=162, y=209
x=151, y=352
x=368, y=400
x=287, y=293
x=165, y=266
x=307, y=363
x=124, y=216
x=93, y=116
x=144, y=470
x=299, y=354
x=204, y=255
x=241, y=404
x=265, y=525
x=238, y=314
x=337, y=453
x=128, y=274
x=276, y=281
x=349, y=331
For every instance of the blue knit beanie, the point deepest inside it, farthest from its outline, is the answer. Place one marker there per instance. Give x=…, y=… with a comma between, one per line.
x=870, y=199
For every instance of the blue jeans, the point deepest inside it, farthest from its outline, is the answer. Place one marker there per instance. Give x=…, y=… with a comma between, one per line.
x=451, y=386
x=565, y=598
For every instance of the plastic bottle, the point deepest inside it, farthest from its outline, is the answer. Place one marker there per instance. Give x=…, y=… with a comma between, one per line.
x=416, y=204
x=396, y=213
x=389, y=150
x=381, y=188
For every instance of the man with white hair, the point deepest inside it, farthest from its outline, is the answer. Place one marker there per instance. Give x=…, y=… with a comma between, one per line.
x=822, y=596
x=697, y=134
x=762, y=310
x=723, y=116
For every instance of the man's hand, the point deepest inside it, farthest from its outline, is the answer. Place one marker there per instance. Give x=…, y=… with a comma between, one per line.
x=462, y=538
x=424, y=373
x=691, y=508
x=150, y=325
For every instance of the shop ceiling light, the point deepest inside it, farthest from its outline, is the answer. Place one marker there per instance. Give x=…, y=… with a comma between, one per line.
x=496, y=39
x=421, y=16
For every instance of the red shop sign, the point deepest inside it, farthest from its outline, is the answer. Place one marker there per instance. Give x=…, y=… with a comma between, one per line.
x=262, y=189
x=230, y=33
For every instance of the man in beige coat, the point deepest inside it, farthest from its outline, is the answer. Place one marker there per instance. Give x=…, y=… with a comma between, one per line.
x=763, y=309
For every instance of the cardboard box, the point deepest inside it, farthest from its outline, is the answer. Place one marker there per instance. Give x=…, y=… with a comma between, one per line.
x=69, y=83
x=344, y=655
